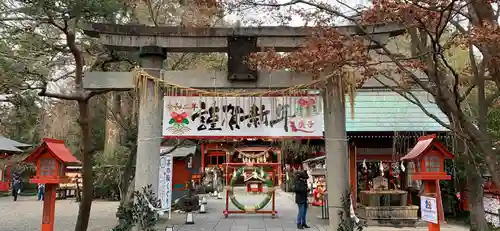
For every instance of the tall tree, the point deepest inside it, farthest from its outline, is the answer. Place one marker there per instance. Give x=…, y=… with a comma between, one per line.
x=43, y=46
x=21, y=116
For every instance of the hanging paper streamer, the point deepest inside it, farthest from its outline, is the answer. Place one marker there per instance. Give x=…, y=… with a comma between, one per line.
x=353, y=214
x=381, y=167
x=364, y=165
x=402, y=167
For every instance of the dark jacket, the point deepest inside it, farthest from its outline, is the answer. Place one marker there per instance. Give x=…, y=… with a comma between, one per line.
x=300, y=189
x=16, y=182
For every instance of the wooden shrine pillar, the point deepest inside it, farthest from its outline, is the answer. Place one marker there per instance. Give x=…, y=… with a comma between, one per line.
x=280, y=168
x=202, y=164
x=353, y=174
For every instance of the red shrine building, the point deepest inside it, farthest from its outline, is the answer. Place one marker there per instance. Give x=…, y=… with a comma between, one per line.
x=385, y=126
x=8, y=151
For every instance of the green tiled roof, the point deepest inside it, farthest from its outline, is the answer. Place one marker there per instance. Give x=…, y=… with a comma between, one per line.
x=388, y=111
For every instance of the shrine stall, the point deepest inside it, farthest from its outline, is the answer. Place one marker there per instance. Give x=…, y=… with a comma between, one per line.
x=8, y=150
x=74, y=186
x=254, y=183
x=316, y=169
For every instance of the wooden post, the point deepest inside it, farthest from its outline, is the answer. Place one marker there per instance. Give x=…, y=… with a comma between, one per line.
x=280, y=177
x=274, y=191
x=430, y=188
x=353, y=172
x=226, y=211
x=49, y=207
x=202, y=150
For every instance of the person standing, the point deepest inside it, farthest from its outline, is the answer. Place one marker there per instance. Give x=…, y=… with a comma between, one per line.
x=16, y=185
x=301, y=190
x=41, y=191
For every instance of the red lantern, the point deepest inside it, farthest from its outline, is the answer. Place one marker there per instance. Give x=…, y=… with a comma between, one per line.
x=51, y=159
x=428, y=157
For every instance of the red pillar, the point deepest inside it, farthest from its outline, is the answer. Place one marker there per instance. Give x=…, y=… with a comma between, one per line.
x=353, y=172
x=279, y=168
x=430, y=187
x=49, y=207
x=8, y=170
x=202, y=150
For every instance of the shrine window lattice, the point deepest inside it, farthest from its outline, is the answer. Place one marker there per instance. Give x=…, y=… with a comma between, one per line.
x=47, y=167
x=432, y=164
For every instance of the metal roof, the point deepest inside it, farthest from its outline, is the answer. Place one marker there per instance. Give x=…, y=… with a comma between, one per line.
x=178, y=152
x=376, y=111
x=8, y=145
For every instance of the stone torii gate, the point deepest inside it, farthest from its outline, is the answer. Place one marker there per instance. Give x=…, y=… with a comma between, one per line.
x=153, y=45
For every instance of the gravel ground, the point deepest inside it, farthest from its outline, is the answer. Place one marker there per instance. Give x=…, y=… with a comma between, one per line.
x=26, y=215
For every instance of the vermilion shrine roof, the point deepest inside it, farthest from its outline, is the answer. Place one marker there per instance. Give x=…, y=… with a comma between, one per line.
x=423, y=144
x=56, y=148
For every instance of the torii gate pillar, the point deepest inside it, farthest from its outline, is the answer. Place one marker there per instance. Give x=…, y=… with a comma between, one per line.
x=149, y=136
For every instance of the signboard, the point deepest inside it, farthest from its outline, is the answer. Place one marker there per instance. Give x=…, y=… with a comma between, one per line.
x=428, y=209
x=192, y=116
x=165, y=182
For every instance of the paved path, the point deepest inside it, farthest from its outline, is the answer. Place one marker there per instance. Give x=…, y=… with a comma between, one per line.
x=214, y=219
x=25, y=215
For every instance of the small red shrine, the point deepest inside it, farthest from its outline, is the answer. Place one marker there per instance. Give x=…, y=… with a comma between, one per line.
x=428, y=157
x=254, y=183
x=51, y=159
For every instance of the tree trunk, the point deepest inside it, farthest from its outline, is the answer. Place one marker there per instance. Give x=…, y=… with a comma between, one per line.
x=128, y=173
x=87, y=174
x=475, y=196
x=127, y=200
x=113, y=117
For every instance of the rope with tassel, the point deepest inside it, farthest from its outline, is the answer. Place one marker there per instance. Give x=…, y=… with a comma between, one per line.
x=141, y=79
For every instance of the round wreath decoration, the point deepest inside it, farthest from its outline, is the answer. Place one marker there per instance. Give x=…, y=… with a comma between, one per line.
x=267, y=180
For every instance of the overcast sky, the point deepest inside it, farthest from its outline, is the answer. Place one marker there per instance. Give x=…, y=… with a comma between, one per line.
x=269, y=20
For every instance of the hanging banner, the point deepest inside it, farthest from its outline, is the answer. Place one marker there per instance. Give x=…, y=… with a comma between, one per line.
x=165, y=182
x=193, y=116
